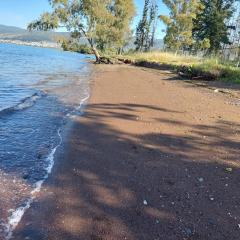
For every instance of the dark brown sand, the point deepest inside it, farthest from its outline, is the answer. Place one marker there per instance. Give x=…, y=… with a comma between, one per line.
x=151, y=158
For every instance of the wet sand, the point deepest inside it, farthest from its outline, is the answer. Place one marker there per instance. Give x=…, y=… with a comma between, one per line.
x=152, y=158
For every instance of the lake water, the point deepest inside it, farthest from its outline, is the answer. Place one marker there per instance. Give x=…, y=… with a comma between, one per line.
x=39, y=90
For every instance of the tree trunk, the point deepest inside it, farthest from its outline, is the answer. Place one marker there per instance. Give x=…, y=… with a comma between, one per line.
x=96, y=53
x=98, y=57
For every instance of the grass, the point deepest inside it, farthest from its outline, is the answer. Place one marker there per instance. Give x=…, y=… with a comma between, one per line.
x=164, y=58
x=191, y=66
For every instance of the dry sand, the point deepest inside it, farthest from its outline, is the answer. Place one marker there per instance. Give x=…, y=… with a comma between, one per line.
x=151, y=158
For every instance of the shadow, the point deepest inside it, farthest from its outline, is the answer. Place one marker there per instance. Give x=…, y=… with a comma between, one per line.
x=224, y=87
x=111, y=183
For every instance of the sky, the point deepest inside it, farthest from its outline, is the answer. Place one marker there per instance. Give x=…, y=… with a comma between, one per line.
x=20, y=12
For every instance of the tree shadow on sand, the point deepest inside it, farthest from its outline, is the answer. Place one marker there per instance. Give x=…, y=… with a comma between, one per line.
x=110, y=184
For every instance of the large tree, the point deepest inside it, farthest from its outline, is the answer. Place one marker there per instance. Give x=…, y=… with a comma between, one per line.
x=104, y=23
x=180, y=23
x=212, y=23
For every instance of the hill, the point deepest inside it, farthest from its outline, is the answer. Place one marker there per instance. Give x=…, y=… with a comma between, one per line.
x=14, y=33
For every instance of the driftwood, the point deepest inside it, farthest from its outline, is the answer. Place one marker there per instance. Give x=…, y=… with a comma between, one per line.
x=104, y=60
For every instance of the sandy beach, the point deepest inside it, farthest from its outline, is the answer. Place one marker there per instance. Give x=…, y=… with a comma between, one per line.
x=152, y=157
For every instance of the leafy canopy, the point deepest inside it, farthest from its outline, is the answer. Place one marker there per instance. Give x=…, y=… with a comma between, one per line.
x=212, y=23
x=105, y=23
x=180, y=23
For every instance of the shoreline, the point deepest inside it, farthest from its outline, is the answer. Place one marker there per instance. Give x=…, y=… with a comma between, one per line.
x=140, y=164
x=32, y=44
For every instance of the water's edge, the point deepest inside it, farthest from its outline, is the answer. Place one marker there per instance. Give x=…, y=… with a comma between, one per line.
x=17, y=215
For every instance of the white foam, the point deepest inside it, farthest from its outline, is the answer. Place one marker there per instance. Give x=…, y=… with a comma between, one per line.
x=17, y=215
x=80, y=107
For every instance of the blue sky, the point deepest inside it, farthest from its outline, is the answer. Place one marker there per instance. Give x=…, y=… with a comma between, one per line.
x=20, y=12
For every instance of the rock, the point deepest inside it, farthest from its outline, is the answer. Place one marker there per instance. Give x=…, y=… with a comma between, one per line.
x=211, y=221
x=228, y=169
x=200, y=179
x=26, y=176
x=216, y=90
x=145, y=202
x=188, y=232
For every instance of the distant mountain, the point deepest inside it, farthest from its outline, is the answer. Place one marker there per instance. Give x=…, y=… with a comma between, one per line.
x=15, y=33
x=10, y=33
x=158, y=44
x=10, y=30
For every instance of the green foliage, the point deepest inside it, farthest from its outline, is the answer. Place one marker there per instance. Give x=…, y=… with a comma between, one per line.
x=104, y=23
x=190, y=66
x=76, y=47
x=180, y=23
x=212, y=23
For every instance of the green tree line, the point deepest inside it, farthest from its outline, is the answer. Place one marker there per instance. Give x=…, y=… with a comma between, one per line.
x=199, y=24
x=191, y=25
x=104, y=23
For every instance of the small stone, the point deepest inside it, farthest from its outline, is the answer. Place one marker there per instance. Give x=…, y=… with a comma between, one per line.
x=229, y=169
x=239, y=225
x=26, y=176
x=216, y=90
x=211, y=198
x=200, y=179
x=145, y=202
x=188, y=232
x=157, y=222
x=211, y=221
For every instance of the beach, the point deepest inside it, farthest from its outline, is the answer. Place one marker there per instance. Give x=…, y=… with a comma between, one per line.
x=151, y=157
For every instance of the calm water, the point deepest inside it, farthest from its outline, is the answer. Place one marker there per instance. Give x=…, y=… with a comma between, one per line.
x=39, y=88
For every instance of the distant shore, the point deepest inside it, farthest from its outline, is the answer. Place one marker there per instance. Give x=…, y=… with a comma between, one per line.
x=43, y=44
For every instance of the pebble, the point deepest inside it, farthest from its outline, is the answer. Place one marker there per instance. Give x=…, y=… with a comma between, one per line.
x=145, y=202
x=200, y=179
x=216, y=90
x=188, y=231
x=229, y=169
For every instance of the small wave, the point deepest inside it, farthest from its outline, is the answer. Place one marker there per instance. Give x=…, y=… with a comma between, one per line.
x=25, y=103
x=80, y=108
x=17, y=215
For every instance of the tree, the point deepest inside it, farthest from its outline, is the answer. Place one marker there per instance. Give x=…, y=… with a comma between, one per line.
x=142, y=27
x=212, y=23
x=146, y=27
x=104, y=23
x=180, y=23
x=153, y=23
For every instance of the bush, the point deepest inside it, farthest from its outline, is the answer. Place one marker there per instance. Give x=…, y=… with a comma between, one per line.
x=189, y=66
x=76, y=47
